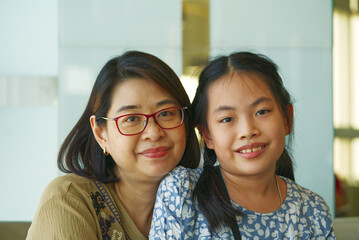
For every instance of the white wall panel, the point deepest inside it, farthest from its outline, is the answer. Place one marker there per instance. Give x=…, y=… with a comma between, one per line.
x=28, y=112
x=121, y=22
x=28, y=140
x=274, y=23
x=28, y=37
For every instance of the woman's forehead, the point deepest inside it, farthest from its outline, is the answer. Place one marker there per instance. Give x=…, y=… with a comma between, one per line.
x=137, y=93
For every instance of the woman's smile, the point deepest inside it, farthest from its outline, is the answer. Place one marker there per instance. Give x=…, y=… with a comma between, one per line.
x=157, y=152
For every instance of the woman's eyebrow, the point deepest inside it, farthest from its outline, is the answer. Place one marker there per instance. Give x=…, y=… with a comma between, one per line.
x=127, y=107
x=166, y=101
x=160, y=103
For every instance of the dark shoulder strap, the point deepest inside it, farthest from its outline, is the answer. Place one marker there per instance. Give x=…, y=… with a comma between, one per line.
x=234, y=225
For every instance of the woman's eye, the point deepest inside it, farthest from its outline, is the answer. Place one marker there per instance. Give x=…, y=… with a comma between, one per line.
x=131, y=119
x=262, y=112
x=164, y=114
x=226, y=120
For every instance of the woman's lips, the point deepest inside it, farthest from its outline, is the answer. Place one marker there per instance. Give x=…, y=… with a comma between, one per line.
x=155, y=152
x=251, y=150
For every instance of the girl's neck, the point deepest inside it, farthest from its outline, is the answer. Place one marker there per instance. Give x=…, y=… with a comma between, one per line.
x=258, y=194
x=138, y=199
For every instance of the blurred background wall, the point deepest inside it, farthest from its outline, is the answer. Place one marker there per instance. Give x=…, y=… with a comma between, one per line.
x=29, y=114
x=52, y=50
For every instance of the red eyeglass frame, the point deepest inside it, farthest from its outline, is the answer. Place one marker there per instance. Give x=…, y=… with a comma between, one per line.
x=148, y=116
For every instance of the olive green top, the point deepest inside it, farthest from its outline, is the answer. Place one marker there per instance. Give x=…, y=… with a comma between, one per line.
x=74, y=207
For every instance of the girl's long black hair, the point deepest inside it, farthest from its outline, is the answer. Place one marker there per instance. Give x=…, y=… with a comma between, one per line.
x=209, y=192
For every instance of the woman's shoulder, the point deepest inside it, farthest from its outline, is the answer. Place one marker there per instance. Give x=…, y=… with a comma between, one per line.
x=85, y=208
x=70, y=179
x=69, y=184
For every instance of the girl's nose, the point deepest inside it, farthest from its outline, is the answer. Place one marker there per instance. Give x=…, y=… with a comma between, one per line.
x=152, y=131
x=248, y=129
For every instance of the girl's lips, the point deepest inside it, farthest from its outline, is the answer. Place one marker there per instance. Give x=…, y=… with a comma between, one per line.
x=251, y=150
x=155, y=152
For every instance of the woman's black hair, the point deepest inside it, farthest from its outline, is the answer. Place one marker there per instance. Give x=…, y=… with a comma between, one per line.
x=209, y=192
x=81, y=154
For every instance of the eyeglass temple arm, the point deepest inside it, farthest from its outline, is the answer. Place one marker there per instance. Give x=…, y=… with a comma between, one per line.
x=110, y=119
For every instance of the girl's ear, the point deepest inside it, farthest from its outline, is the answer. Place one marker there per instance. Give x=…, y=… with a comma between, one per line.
x=99, y=133
x=289, y=122
x=207, y=138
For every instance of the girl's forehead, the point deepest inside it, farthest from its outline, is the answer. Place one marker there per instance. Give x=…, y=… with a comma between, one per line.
x=238, y=82
x=238, y=91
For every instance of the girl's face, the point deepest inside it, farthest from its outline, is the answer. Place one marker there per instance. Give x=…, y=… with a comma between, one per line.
x=150, y=155
x=246, y=128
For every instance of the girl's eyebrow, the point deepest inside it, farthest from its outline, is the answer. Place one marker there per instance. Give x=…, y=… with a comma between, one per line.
x=230, y=108
x=160, y=103
x=260, y=100
x=224, y=108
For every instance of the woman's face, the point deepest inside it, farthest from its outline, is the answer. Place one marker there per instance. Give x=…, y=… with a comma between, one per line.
x=150, y=155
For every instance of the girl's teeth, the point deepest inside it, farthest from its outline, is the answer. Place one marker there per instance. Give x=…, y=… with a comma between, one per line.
x=251, y=150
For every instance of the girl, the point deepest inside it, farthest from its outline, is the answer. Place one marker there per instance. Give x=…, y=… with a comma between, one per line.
x=244, y=114
x=134, y=130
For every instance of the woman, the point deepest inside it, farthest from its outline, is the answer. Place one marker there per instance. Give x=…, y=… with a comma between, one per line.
x=136, y=128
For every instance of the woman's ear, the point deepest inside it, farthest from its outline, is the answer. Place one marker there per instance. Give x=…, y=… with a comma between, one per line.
x=289, y=121
x=99, y=132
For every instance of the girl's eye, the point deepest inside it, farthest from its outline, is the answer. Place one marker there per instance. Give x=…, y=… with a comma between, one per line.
x=262, y=112
x=226, y=120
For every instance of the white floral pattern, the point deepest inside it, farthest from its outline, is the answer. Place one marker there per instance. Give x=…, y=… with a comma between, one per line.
x=303, y=215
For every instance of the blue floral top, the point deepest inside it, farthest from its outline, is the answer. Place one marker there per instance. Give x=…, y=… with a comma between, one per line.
x=303, y=215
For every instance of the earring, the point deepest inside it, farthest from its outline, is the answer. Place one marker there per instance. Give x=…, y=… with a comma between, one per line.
x=105, y=152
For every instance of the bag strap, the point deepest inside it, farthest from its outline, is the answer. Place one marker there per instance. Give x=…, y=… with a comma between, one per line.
x=234, y=225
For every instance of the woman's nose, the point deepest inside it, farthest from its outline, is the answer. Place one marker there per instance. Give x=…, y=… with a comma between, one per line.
x=152, y=130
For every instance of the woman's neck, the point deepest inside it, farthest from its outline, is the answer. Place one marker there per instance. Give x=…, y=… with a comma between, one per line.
x=138, y=199
x=256, y=193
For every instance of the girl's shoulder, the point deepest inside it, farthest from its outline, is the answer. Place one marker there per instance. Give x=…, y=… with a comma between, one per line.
x=180, y=180
x=304, y=196
x=181, y=174
x=175, y=211
x=296, y=188
x=310, y=207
